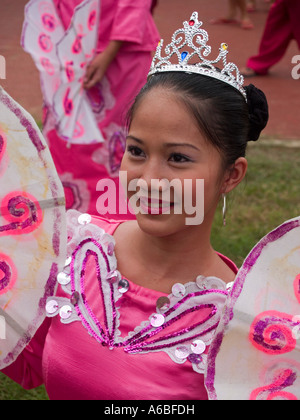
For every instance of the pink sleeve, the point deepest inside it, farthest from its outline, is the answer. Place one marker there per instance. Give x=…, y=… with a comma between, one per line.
x=131, y=20
x=27, y=369
x=109, y=225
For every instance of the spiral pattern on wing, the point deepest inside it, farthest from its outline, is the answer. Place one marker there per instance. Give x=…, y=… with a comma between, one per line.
x=271, y=332
x=23, y=213
x=8, y=273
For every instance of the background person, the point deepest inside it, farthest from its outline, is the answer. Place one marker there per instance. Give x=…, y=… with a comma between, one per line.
x=282, y=26
x=127, y=37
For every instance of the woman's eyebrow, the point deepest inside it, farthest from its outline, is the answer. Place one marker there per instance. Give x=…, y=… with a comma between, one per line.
x=129, y=137
x=173, y=144
x=182, y=145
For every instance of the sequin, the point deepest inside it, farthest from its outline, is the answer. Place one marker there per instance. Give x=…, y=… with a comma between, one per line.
x=207, y=283
x=194, y=358
x=51, y=306
x=68, y=261
x=182, y=352
x=229, y=285
x=113, y=276
x=157, y=320
x=200, y=281
x=110, y=249
x=198, y=346
x=84, y=219
x=178, y=290
x=163, y=304
x=216, y=284
x=75, y=298
x=123, y=286
x=63, y=278
x=65, y=312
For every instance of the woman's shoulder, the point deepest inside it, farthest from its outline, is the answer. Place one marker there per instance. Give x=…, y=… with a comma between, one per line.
x=77, y=219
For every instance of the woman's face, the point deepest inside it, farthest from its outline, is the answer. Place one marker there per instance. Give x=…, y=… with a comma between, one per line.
x=165, y=147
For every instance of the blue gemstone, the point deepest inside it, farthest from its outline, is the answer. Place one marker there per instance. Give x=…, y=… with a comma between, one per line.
x=184, y=54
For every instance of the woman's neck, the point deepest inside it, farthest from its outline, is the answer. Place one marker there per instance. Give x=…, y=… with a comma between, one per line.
x=158, y=263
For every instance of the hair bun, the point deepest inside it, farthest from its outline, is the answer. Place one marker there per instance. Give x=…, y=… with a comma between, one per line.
x=258, y=111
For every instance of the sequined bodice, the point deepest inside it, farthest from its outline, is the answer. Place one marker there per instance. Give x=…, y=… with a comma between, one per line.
x=94, y=293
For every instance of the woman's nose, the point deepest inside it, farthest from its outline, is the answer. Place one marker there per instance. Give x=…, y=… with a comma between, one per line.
x=153, y=176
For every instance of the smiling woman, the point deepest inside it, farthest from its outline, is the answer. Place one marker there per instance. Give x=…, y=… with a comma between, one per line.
x=165, y=143
x=139, y=301
x=182, y=127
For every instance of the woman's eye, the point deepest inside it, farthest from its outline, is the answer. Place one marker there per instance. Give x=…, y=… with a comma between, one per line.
x=135, y=151
x=179, y=158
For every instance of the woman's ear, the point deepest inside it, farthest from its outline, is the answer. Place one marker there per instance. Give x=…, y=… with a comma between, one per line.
x=234, y=175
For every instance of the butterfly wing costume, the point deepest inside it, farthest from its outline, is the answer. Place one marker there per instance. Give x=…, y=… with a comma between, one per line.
x=256, y=350
x=32, y=228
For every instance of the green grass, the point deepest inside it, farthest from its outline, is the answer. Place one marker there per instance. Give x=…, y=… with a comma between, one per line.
x=269, y=196
x=9, y=390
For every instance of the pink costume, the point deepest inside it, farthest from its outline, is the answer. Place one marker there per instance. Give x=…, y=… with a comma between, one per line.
x=80, y=167
x=282, y=26
x=99, y=350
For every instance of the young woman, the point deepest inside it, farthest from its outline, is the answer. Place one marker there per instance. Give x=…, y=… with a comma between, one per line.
x=139, y=300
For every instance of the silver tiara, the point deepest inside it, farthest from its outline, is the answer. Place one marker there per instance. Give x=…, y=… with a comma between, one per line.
x=190, y=42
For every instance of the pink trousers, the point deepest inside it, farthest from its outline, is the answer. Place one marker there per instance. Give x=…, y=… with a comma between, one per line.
x=283, y=25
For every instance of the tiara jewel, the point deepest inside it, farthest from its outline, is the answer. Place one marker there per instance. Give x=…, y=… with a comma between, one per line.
x=190, y=43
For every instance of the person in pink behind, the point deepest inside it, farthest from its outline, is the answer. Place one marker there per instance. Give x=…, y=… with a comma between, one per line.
x=138, y=301
x=282, y=26
x=127, y=37
x=235, y=7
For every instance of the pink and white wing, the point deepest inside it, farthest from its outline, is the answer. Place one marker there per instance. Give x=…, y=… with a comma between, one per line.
x=32, y=228
x=256, y=351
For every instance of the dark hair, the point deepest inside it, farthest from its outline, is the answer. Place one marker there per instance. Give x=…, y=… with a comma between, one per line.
x=220, y=110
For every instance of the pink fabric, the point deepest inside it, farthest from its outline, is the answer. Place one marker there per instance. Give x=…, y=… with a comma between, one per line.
x=122, y=20
x=281, y=27
x=81, y=166
x=74, y=366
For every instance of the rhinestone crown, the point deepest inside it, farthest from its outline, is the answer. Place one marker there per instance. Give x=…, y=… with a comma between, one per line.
x=190, y=42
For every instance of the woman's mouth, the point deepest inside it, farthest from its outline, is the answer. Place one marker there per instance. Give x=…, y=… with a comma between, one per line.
x=155, y=206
